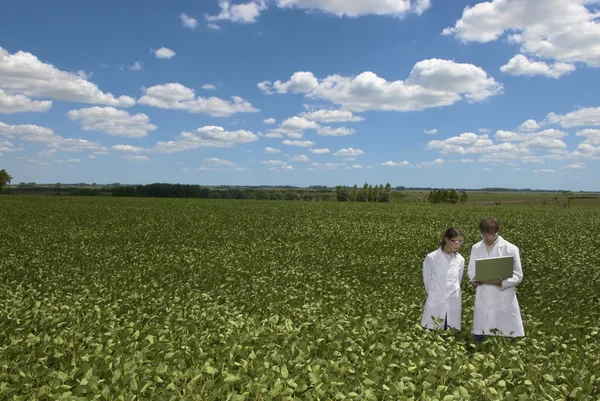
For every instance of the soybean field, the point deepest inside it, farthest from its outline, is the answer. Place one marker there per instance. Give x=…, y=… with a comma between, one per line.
x=189, y=299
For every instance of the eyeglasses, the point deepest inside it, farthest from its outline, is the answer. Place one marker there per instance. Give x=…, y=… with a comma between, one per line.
x=490, y=236
x=457, y=241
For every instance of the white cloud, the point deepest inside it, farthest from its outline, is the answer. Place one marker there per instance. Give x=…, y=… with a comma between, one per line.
x=302, y=144
x=544, y=170
x=592, y=136
x=331, y=116
x=574, y=166
x=23, y=73
x=349, y=159
x=300, y=158
x=164, y=53
x=356, y=166
x=430, y=131
x=28, y=133
x=68, y=161
x=357, y=8
x=548, y=139
x=484, y=130
x=487, y=169
x=269, y=149
x=213, y=26
x=565, y=31
x=219, y=162
x=349, y=152
x=187, y=21
x=300, y=82
x=339, y=131
x=436, y=162
x=298, y=124
x=269, y=121
x=243, y=13
x=209, y=87
x=431, y=83
x=583, y=117
x=521, y=65
x=112, y=121
x=390, y=163
x=137, y=66
x=320, y=151
x=208, y=136
x=135, y=158
x=462, y=144
x=529, y=125
x=178, y=97
x=274, y=162
x=10, y=104
x=77, y=145
x=463, y=161
x=91, y=157
x=127, y=148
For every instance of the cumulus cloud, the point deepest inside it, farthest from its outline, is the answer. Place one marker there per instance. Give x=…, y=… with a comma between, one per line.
x=300, y=158
x=187, y=21
x=521, y=65
x=302, y=144
x=431, y=83
x=430, y=131
x=135, y=158
x=269, y=149
x=208, y=136
x=112, y=121
x=215, y=161
x=357, y=8
x=391, y=163
x=269, y=121
x=322, y=151
x=22, y=73
x=331, y=116
x=242, y=13
x=10, y=104
x=349, y=152
x=127, y=148
x=164, y=53
x=563, y=31
x=588, y=116
x=176, y=96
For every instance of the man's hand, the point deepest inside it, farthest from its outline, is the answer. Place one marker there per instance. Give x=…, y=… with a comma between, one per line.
x=497, y=283
x=478, y=283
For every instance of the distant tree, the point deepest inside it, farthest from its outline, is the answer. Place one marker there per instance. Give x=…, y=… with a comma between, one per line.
x=385, y=194
x=5, y=179
x=371, y=196
x=342, y=193
x=463, y=197
x=363, y=194
x=354, y=193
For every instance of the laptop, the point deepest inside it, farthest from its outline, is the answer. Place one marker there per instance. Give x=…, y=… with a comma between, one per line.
x=499, y=267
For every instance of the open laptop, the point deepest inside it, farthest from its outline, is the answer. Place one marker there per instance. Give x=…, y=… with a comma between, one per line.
x=495, y=268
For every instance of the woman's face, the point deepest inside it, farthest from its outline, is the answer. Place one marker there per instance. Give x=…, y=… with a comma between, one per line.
x=453, y=244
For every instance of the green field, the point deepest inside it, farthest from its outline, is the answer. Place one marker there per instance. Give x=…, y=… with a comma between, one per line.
x=186, y=299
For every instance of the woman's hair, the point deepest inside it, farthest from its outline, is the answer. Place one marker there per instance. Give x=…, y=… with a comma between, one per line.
x=451, y=232
x=489, y=224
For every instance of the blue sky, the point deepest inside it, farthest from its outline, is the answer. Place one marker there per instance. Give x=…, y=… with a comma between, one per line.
x=434, y=93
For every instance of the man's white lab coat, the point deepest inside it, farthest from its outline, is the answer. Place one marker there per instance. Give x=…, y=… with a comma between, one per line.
x=497, y=307
x=442, y=279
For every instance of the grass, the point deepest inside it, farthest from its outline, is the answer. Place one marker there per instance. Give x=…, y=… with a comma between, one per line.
x=213, y=299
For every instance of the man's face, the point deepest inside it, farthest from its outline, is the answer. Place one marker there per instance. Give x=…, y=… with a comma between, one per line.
x=489, y=237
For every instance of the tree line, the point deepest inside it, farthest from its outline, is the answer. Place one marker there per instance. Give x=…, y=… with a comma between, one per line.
x=446, y=196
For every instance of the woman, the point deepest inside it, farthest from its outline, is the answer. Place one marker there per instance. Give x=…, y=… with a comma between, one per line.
x=497, y=311
x=442, y=274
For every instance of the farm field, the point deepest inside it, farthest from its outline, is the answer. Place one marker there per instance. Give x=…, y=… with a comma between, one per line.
x=187, y=299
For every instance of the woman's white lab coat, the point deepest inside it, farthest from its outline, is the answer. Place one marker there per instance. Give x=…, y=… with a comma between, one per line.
x=442, y=284
x=497, y=307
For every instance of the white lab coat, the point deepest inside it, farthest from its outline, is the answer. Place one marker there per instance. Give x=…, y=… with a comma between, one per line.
x=497, y=307
x=442, y=284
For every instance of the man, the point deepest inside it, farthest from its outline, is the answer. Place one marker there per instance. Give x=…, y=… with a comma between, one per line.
x=497, y=310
